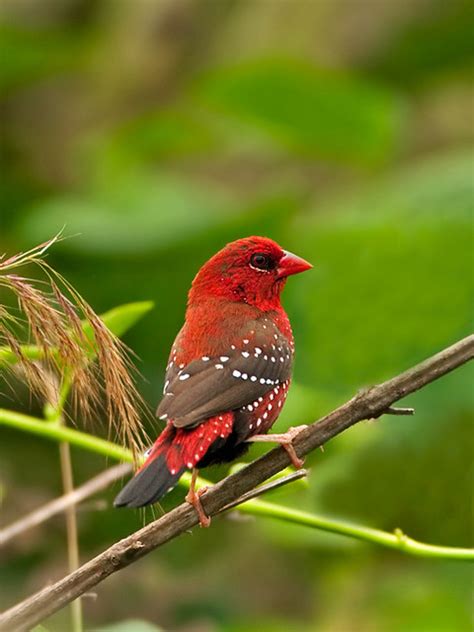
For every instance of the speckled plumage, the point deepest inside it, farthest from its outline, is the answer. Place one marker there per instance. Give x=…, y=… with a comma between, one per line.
x=229, y=369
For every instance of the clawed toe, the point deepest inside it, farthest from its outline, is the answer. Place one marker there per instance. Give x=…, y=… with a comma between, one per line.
x=193, y=497
x=295, y=459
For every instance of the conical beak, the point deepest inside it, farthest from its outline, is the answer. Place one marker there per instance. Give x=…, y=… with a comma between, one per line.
x=291, y=264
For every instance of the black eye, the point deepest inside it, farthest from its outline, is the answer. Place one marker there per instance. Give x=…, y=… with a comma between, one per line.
x=262, y=261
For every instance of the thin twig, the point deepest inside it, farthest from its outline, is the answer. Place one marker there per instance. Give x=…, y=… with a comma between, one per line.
x=392, y=410
x=366, y=405
x=58, y=505
x=268, y=487
x=71, y=529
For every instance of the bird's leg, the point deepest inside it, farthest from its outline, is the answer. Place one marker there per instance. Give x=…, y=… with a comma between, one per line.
x=193, y=497
x=286, y=441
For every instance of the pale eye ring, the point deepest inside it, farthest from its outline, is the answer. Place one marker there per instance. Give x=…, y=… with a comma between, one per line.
x=262, y=261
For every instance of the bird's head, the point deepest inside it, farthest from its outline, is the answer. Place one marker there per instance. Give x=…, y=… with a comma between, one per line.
x=251, y=270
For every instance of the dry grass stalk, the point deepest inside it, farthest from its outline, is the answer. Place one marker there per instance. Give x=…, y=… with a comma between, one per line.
x=96, y=368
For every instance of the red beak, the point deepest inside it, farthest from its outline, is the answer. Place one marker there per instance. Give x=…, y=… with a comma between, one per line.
x=291, y=264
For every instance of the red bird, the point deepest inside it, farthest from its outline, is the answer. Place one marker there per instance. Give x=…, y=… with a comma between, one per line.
x=228, y=373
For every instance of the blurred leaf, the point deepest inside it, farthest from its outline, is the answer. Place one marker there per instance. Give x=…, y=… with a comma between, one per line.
x=437, y=42
x=311, y=111
x=394, y=596
x=389, y=285
x=120, y=319
x=30, y=54
x=424, y=603
x=150, y=138
x=135, y=214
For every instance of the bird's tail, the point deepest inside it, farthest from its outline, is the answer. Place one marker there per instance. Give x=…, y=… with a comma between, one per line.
x=155, y=478
x=175, y=450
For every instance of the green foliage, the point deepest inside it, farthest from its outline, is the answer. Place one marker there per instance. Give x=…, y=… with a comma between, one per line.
x=28, y=55
x=311, y=111
x=138, y=213
x=395, y=252
x=122, y=318
x=439, y=43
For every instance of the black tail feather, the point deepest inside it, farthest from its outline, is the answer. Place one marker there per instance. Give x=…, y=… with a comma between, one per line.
x=151, y=483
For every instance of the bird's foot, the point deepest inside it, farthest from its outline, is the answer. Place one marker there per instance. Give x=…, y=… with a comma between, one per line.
x=193, y=497
x=286, y=441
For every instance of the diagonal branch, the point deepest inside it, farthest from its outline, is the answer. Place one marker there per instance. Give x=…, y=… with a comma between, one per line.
x=368, y=404
x=58, y=505
x=248, y=504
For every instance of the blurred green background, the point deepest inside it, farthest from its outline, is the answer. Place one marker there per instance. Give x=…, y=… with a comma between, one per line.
x=156, y=131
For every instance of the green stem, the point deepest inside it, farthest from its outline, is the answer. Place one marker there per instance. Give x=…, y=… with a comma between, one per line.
x=54, y=413
x=397, y=540
x=56, y=432
x=256, y=507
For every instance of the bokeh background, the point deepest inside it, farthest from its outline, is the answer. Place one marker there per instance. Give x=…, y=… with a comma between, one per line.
x=156, y=131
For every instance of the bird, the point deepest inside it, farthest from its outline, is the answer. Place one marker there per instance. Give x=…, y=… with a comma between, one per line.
x=228, y=372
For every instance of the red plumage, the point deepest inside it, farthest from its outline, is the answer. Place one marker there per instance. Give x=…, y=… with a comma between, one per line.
x=229, y=368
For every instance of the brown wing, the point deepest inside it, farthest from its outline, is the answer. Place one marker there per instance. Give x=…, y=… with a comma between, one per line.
x=209, y=386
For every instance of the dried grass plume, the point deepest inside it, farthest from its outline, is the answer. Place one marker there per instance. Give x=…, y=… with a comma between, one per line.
x=57, y=354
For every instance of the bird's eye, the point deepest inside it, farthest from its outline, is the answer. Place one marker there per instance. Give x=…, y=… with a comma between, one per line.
x=262, y=261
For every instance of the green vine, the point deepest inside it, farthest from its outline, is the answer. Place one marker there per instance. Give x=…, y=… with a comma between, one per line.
x=396, y=540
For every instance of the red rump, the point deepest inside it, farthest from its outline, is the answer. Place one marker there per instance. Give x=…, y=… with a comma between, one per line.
x=189, y=446
x=184, y=448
